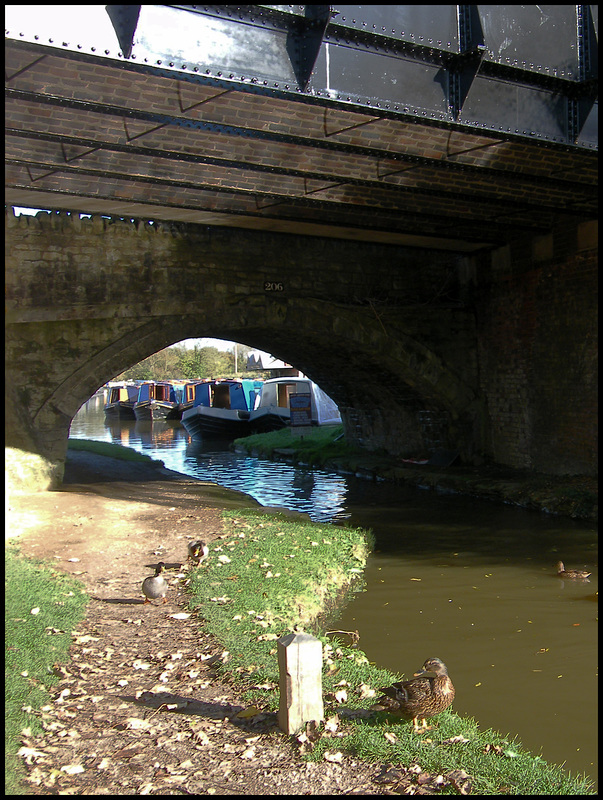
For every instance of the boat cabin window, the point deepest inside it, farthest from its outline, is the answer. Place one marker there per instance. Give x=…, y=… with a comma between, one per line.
x=162, y=393
x=221, y=396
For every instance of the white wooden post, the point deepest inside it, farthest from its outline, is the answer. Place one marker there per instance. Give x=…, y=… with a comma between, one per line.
x=300, y=681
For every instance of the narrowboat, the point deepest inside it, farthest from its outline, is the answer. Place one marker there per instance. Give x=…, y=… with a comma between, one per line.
x=185, y=392
x=120, y=401
x=279, y=396
x=156, y=401
x=221, y=408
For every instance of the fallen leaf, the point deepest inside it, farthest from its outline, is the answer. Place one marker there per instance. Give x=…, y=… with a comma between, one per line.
x=30, y=754
x=335, y=757
x=252, y=711
x=332, y=724
x=72, y=769
x=137, y=724
x=181, y=615
x=341, y=696
x=391, y=737
x=85, y=639
x=200, y=737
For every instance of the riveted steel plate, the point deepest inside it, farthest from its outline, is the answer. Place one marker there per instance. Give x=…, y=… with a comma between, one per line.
x=390, y=81
x=540, y=39
x=432, y=26
x=214, y=43
x=589, y=131
x=516, y=109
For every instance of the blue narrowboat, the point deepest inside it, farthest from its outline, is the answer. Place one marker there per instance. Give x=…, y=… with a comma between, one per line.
x=222, y=408
x=156, y=400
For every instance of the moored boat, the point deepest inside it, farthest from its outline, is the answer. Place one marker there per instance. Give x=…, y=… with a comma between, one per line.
x=121, y=400
x=274, y=408
x=221, y=408
x=156, y=400
x=185, y=393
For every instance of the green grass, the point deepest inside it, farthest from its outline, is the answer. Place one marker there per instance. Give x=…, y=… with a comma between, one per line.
x=271, y=575
x=34, y=642
x=110, y=450
x=315, y=448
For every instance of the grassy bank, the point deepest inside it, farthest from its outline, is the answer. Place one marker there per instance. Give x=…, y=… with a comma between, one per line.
x=315, y=448
x=574, y=496
x=270, y=575
x=110, y=450
x=42, y=608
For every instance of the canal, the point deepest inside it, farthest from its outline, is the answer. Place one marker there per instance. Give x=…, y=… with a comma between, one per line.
x=465, y=580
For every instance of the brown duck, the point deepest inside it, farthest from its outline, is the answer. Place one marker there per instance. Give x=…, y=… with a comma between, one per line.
x=571, y=574
x=197, y=551
x=155, y=587
x=419, y=697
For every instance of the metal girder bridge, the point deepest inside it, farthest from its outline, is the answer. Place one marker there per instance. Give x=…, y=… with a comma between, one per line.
x=445, y=126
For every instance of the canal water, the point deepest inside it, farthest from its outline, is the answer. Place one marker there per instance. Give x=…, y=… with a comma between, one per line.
x=465, y=580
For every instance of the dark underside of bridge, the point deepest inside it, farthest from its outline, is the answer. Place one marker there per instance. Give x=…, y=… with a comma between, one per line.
x=310, y=120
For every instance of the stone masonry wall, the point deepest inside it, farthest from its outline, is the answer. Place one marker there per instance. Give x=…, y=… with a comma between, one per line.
x=386, y=331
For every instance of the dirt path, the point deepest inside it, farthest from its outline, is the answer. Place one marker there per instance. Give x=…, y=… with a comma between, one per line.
x=139, y=709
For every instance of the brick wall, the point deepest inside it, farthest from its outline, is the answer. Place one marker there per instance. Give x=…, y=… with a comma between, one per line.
x=537, y=330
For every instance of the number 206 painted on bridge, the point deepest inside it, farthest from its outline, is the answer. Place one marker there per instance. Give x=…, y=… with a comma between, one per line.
x=273, y=286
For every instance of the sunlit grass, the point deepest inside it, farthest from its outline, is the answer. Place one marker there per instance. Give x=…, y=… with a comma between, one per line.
x=42, y=607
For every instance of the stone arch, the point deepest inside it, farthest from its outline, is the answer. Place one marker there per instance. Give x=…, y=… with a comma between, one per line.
x=378, y=379
x=88, y=298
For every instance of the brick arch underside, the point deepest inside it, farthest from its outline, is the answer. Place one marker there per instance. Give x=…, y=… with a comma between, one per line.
x=380, y=381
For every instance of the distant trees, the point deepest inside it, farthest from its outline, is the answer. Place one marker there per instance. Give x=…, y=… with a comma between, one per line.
x=179, y=362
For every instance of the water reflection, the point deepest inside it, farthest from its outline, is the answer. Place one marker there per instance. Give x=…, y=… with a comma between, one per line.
x=318, y=493
x=468, y=581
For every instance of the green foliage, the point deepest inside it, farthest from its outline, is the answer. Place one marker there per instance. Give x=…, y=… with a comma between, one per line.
x=178, y=362
x=42, y=607
x=206, y=362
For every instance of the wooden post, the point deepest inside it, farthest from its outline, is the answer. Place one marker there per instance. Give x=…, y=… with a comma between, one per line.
x=300, y=681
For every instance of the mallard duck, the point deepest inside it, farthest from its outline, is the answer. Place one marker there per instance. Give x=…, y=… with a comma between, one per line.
x=155, y=586
x=571, y=574
x=198, y=551
x=419, y=697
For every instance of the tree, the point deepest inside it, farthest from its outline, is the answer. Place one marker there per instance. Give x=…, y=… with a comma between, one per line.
x=177, y=362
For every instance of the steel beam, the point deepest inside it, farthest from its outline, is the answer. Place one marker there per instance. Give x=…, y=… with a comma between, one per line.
x=513, y=71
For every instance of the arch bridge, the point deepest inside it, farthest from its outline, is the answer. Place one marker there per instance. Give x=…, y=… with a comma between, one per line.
x=400, y=200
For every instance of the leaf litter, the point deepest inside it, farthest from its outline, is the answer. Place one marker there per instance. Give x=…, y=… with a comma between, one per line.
x=140, y=705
